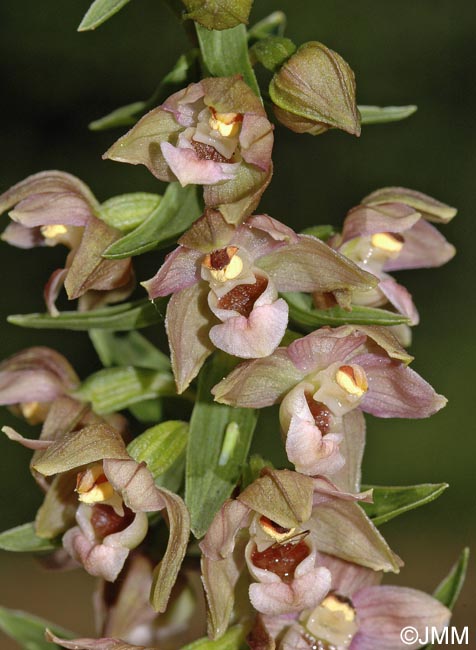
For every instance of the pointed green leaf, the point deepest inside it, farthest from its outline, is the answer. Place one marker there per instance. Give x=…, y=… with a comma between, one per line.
x=272, y=52
x=218, y=444
x=121, y=318
x=232, y=640
x=160, y=446
x=129, y=349
x=99, y=12
x=114, y=389
x=127, y=211
x=382, y=114
x=389, y=502
x=303, y=314
x=23, y=539
x=252, y=469
x=177, y=210
x=28, y=630
x=123, y=116
x=225, y=53
x=272, y=25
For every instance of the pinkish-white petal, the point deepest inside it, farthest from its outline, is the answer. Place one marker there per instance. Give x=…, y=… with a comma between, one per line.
x=385, y=611
x=259, y=383
x=364, y=220
x=52, y=290
x=396, y=391
x=277, y=230
x=324, y=347
x=188, y=322
x=352, y=449
x=424, y=247
x=29, y=443
x=179, y=271
x=190, y=169
x=256, y=140
x=256, y=336
x=22, y=237
x=310, y=452
x=347, y=577
x=400, y=298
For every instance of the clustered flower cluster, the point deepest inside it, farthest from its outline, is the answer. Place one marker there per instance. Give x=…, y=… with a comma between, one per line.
x=291, y=557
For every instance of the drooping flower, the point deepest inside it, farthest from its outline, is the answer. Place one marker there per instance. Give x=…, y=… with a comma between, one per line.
x=213, y=133
x=233, y=275
x=359, y=614
x=279, y=523
x=53, y=208
x=98, y=500
x=389, y=231
x=324, y=376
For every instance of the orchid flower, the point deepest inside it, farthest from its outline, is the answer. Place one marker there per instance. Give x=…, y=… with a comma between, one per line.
x=213, y=133
x=321, y=378
x=287, y=519
x=225, y=284
x=389, y=231
x=359, y=614
x=99, y=499
x=53, y=208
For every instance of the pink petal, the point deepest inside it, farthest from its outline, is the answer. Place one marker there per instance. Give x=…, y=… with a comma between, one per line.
x=400, y=298
x=396, y=391
x=424, y=247
x=52, y=290
x=179, y=271
x=190, y=169
x=384, y=611
x=256, y=336
x=256, y=141
x=324, y=347
x=52, y=208
x=364, y=220
x=22, y=237
x=29, y=443
x=347, y=577
x=352, y=449
x=219, y=541
x=277, y=230
x=309, y=451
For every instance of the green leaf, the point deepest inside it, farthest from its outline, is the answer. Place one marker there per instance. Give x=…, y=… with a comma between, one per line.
x=225, y=53
x=114, y=389
x=272, y=25
x=320, y=232
x=127, y=115
x=121, y=318
x=450, y=587
x=23, y=539
x=382, y=114
x=130, y=349
x=231, y=640
x=272, y=52
x=150, y=410
x=177, y=210
x=218, y=444
x=252, y=469
x=303, y=314
x=389, y=502
x=29, y=630
x=99, y=12
x=160, y=446
x=128, y=211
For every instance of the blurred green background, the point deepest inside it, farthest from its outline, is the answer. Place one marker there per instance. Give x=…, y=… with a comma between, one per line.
x=55, y=81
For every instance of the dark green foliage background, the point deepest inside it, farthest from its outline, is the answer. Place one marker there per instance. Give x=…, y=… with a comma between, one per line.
x=55, y=81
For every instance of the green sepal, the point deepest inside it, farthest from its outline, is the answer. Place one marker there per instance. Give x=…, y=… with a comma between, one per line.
x=23, y=539
x=130, y=349
x=218, y=444
x=232, y=640
x=114, y=389
x=150, y=410
x=99, y=12
x=176, y=212
x=272, y=52
x=28, y=630
x=272, y=25
x=450, y=587
x=160, y=446
x=225, y=53
x=127, y=211
x=390, y=502
x=120, y=318
x=128, y=115
x=303, y=314
x=382, y=114
x=324, y=233
x=252, y=469
x=218, y=14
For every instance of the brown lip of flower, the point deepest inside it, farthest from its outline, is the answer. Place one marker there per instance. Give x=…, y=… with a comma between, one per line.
x=389, y=242
x=353, y=380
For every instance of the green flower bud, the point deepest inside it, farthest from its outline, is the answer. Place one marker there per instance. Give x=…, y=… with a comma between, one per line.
x=315, y=91
x=218, y=14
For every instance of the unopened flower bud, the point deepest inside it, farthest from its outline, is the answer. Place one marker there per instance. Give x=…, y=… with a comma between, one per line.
x=315, y=91
x=218, y=14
